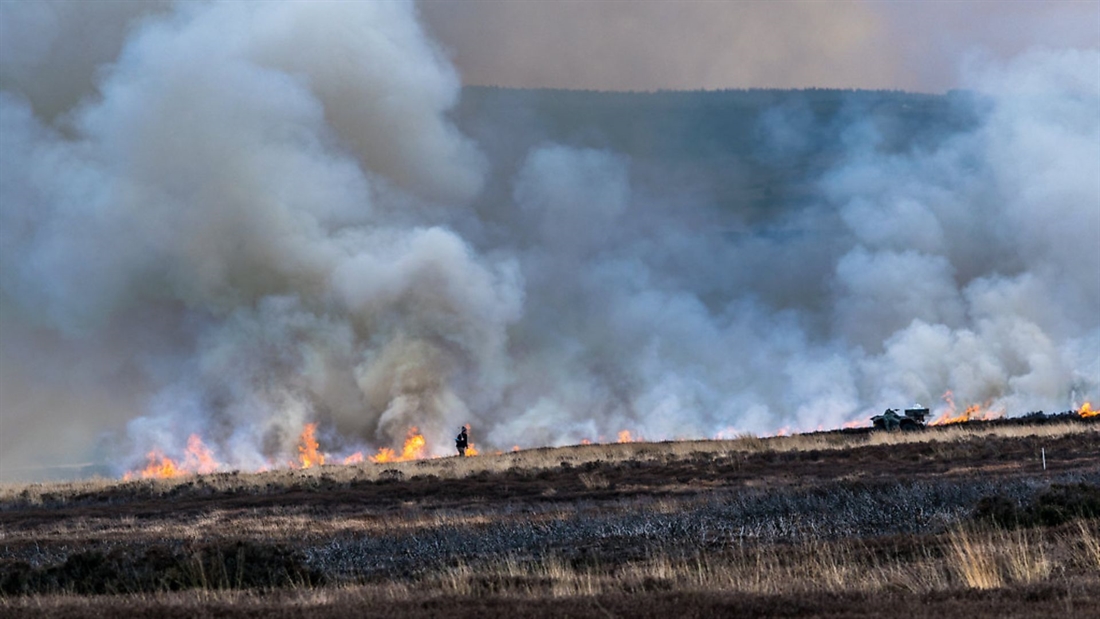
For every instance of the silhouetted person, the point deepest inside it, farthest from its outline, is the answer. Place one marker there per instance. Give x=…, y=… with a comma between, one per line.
x=462, y=441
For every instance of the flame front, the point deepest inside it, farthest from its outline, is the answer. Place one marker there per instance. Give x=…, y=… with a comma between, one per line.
x=385, y=454
x=160, y=466
x=198, y=458
x=974, y=412
x=307, y=448
x=1087, y=410
x=413, y=449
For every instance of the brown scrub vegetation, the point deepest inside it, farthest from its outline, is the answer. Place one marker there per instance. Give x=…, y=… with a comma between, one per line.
x=954, y=521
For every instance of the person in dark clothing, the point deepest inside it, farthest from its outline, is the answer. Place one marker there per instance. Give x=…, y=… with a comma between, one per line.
x=462, y=441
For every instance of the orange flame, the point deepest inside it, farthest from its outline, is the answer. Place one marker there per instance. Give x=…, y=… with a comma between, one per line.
x=413, y=449
x=470, y=449
x=1087, y=410
x=624, y=437
x=949, y=416
x=160, y=467
x=385, y=454
x=974, y=412
x=307, y=448
x=198, y=458
x=354, y=458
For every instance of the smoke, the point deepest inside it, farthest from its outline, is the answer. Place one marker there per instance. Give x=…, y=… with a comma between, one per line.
x=654, y=45
x=691, y=44
x=244, y=219
x=236, y=215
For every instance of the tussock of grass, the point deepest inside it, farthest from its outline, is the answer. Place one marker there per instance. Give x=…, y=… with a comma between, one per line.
x=1089, y=547
x=974, y=561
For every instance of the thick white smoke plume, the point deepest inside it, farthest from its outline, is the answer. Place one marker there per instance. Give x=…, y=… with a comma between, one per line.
x=243, y=218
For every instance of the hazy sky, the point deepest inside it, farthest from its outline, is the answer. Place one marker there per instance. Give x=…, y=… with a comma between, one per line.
x=688, y=44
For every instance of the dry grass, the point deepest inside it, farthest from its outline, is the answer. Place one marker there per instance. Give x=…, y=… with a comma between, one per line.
x=993, y=559
x=974, y=561
x=1089, y=546
x=965, y=558
x=540, y=459
x=971, y=558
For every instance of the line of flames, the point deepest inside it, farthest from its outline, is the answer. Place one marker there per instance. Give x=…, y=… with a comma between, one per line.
x=624, y=436
x=199, y=459
x=974, y=412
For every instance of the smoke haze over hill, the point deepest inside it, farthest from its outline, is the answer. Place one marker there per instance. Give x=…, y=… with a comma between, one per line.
x=692, y=44
x=232, y=220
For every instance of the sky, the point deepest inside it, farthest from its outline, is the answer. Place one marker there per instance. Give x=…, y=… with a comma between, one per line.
x=921, y=46
x=231, y=219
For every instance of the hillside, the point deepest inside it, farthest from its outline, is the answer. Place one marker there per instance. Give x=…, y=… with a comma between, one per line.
x=751, y=149
x=956, y=521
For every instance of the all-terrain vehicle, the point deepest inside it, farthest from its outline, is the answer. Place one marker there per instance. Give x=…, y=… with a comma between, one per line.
x=912, y=419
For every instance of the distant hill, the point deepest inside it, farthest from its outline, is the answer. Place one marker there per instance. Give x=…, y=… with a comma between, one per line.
x=753, y=146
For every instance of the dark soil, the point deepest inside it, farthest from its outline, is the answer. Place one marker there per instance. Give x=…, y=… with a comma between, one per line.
x=1034, y=602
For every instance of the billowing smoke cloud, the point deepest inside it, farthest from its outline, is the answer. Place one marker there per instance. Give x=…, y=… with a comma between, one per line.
x=259, y=217
x=238, y=212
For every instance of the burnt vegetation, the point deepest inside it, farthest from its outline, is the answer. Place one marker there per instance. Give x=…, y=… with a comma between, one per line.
x=964, y=520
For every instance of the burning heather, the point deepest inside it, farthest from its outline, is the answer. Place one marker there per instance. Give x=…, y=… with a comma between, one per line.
x=413, y=449
x=197, y=459
x=288, y=230
x=307, y=448
x=973, y=412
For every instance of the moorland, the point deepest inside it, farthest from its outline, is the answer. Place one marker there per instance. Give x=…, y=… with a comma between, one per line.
x=967, y=520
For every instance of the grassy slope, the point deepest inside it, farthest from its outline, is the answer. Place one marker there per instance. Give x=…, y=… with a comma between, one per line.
x=829, y=524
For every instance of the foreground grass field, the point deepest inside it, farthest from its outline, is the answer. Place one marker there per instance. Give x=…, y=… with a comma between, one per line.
x=950, y=522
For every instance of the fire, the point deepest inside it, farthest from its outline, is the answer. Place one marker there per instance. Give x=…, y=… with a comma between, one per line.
x=160, y=467
x=198, y=458
x=414, y=446
x=974, y=412
x=624, y=437
x=470, y=449
x=413, y=449
x=949, y=416
x=1087, y=410
x=354, y=458
x=385, y=454
x=307, y=448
